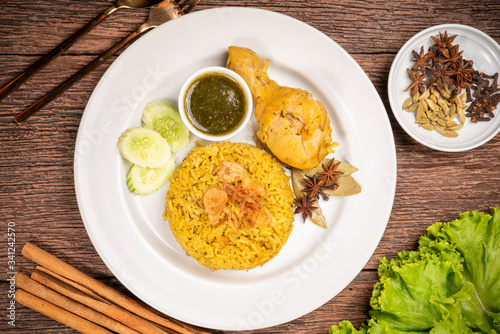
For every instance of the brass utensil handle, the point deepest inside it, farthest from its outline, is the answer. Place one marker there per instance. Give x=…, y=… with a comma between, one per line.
x=42, y=62
x=25, y=114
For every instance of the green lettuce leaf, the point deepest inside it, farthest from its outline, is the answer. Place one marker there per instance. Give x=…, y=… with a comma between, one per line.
x=476, y=237
x=419, y=289
x=345, y=327
x=451, y=284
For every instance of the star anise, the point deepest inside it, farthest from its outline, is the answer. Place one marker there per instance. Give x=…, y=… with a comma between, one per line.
x=433, y=52
x=463, y=74
x=451, y=73
x=443, y=42
x=440, y=75
x=305, y=207
x=314, y=187
x=421, y=60
x=418, y=82
x=450, y=56
x=330, y=174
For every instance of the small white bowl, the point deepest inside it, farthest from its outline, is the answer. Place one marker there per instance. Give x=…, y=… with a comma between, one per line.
x=182, y=103
x=477, y=46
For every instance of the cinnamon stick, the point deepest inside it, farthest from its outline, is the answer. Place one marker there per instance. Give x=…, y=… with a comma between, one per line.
x=70, y=282
x=54, y=264
x=39, y=290
x=92, y=294
x=131, y=320
x=58, y=314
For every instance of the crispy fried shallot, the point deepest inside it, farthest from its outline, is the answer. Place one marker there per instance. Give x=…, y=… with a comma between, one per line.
x=214, y=201
x=231, y=172
x=236, y=187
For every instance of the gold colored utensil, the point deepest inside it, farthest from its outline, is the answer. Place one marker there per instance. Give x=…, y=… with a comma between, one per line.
x=42, y=62
x=163, y=12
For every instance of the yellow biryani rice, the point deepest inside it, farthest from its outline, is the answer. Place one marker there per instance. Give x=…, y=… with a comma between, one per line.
x=219, y=246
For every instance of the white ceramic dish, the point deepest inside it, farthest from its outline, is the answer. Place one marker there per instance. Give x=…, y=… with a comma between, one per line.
x=182, y=105
x=128, y=231
x=477, y=46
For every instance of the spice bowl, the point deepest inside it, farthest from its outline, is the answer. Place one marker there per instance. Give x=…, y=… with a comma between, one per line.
x=476, y=46
x=215, y=103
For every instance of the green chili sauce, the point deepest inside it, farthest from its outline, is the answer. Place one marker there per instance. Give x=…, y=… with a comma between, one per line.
x=215, y=104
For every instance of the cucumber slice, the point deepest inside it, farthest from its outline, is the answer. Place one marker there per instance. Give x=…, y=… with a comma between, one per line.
x=165, y=119
x=143, y=180
x=144, y=147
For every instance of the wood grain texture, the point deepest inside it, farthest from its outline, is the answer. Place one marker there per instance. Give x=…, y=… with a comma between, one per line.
x=351, y=303
x=36, y=159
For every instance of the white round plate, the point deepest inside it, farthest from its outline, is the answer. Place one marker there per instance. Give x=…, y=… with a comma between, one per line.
x=476, y=46
x=128, y=231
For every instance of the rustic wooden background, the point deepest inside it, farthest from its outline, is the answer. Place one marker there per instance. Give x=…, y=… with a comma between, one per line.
x=36, y=158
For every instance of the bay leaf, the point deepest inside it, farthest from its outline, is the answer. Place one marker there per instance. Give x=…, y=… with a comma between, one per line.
x=317, y=217
x=348, y=186
x=297, y=185
x=344, y=167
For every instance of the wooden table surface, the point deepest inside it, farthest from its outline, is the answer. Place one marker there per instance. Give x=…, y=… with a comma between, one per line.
x=36, y=158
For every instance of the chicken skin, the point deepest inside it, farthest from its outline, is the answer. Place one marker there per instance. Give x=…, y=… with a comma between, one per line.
x=293, y=125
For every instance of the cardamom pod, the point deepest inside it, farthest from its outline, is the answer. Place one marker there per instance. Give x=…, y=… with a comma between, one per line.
x=427, y=127
x=463, y=97
x=437, y=127
x=420, y=111
x=461, y=115
x=432, y=105
x=449, y=133
x=453, y=111
x=407, y=103
x=425, y=105
x=446, y=94
x=445, y=88
x=412, y=107
x=434, y=91
x=444, y=106
x=416, y=96
x=431, y=116
x=422, y=120
x=440, y=113
x=456, y=127
x=424, y=95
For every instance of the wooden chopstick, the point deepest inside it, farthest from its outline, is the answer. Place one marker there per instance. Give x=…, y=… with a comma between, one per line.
x=42, y=62
x=42, y=102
